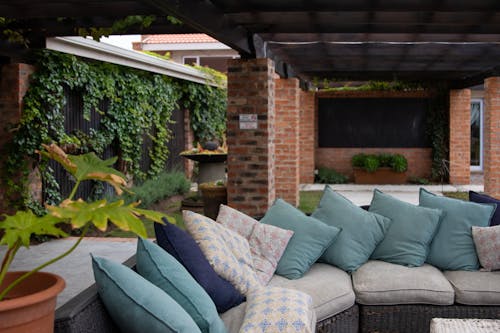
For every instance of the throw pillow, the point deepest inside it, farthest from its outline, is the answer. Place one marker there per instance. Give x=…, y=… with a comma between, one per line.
x=161, y=269
x=310, y=239
x=183, y=247
x=267, y=242
x=487, y=241
x=411, y=231
x=135, y=304
x=227, y=252
x=483, y=198
x=361, y=231
x=453, y=247
x=279, y=310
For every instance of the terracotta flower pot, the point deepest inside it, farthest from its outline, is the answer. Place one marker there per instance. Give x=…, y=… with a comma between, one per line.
x=30, y=306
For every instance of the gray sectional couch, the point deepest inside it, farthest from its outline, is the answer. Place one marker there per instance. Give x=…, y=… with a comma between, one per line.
x=378, y=297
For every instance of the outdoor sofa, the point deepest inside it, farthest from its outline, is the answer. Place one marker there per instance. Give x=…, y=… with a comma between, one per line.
x=379, y=297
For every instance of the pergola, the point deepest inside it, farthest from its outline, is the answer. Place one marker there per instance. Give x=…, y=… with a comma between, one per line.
x=455, y=42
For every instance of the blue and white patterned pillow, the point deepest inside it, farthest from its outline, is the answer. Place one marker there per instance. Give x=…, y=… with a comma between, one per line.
x=278, y=310
x=226, y=251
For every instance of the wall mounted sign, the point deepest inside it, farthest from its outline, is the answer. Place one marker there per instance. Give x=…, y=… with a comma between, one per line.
x=248, y=121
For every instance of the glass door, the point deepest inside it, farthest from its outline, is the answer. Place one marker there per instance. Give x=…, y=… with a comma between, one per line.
x=476, y=135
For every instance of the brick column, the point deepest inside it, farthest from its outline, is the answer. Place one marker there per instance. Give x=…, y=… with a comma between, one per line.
x=250, y=163
x=491, y=136
x=460, y=136
x=287, y=139
x=14, y=82
x=306, y=137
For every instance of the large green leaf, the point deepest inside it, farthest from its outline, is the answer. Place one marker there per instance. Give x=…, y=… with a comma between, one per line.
x=125, y=217
x=23, y=224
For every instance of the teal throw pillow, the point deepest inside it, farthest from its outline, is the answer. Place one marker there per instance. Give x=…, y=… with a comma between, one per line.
x=161, y=269
x=137, y=305
x=310, y=239
x=411, y=231
x=361, y=231
x=453, y=246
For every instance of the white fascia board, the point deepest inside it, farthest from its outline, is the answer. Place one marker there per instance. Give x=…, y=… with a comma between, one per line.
x=88, y=48
x=185, y=46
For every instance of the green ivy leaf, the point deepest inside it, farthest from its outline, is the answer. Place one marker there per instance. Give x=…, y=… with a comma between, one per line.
x=23, y=224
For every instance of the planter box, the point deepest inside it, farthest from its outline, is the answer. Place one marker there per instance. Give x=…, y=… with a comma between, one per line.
x=380, y=176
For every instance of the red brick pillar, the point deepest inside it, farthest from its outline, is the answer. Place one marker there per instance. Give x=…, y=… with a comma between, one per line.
x=250, y=163
x=14, y=82
x=460, y=136
x=306, y=137
x=287, y=139
x=491, y=136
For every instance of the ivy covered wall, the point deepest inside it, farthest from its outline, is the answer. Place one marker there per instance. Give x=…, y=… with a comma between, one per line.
x=139, y=104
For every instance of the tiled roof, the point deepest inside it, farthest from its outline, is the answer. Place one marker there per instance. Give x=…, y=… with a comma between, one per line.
x=178, y=39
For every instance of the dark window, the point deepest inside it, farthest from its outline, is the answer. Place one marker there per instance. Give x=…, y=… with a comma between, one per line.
x=372, y=122
x=190, y=61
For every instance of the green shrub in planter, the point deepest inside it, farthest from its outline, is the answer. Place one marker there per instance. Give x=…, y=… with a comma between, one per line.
x=371, y=162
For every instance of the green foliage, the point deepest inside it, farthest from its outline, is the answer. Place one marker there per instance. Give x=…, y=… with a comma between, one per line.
x=371, y=162
x=139, y=104
x=438, y=133
x=165, y=185
x=340, y=85
x=330, y=176
x=418, y=180
x=207, y=107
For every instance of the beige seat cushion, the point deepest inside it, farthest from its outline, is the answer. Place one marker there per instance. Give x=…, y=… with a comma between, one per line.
x=233, y=318
x=329, y=287
x=382, y=283
x=475, y=288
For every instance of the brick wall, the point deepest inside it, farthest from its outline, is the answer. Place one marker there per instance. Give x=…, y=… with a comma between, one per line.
x=251, y=179
x=492, y=136
x=460, y=136
x=339, y=159
x=287, y=139
x=306, y=137
x=14, y=82
x=419, y=159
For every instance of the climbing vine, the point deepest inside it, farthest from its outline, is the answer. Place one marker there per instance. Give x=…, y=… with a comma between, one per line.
x=139, y=105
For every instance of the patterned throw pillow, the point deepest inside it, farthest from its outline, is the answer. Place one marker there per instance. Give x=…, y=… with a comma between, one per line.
x=267, y=242
x=487, y=242
x=279, y=310
x=227, y=252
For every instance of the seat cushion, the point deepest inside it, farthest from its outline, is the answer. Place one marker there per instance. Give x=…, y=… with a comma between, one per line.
x=475, y=288
x=383, y=283
x=329, y=287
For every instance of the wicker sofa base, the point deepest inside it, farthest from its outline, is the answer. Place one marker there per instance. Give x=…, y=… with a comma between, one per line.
x=344, y=322
x=416, y=318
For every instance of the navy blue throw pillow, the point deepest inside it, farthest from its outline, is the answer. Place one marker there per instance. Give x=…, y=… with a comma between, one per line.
x=483, y=198
x=183, y=247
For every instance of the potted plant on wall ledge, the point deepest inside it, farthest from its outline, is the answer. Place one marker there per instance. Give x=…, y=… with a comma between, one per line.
x=28, y=299
x=379, y=169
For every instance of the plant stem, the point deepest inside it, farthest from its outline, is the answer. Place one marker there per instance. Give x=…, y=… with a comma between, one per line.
x=73, y=192
x=9, y=256
x=42, y=266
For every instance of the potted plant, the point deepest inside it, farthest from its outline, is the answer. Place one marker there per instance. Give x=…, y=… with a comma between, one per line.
x=214, y=194
x=379, y=169
x=27, y=299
